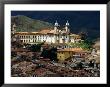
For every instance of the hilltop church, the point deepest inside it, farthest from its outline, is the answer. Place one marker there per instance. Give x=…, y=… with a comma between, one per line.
x=55, y=35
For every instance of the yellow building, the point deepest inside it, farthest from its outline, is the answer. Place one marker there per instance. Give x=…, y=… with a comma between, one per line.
x=67, y=53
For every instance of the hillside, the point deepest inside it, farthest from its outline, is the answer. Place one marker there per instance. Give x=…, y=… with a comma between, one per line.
x=24, y=23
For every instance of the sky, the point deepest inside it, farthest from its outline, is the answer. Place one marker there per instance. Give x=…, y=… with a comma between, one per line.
x=77, y=19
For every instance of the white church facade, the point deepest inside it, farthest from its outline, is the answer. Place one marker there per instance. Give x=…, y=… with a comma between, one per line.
x=55, y=35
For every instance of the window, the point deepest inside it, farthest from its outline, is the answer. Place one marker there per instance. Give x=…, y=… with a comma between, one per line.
x=33, y=36
x=66, y=36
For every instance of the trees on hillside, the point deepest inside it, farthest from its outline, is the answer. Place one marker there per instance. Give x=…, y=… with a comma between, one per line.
x=86, y=44
x=35, y=48
x=50, y=53
x=83, y=35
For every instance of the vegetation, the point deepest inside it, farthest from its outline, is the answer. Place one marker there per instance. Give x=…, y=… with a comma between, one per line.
x=26, y=24
x=35, y=48
x=83, y=35
x=86, y=44
x=50, y=53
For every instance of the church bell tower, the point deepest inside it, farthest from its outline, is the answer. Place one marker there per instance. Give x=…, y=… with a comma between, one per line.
x=67, y=27
x=56, y=26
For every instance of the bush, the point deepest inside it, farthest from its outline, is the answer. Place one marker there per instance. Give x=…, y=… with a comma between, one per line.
x=35, y=48
x=84, y=44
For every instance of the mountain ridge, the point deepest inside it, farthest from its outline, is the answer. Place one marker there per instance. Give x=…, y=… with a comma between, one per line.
x=24, y=23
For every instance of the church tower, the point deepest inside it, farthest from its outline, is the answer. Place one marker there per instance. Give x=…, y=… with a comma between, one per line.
x=56, y=26
x=67, y=27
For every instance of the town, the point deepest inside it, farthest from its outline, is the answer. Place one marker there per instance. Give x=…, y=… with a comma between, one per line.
x=53, y=53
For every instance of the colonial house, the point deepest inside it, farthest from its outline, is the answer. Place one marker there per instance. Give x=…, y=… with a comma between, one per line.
x=55, y=35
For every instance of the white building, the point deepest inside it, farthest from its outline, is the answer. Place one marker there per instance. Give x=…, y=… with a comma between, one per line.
x=55, y=35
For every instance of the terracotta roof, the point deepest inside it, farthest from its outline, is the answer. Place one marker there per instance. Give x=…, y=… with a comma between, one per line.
x=97, y=44
x=20, y=50
x=72, y=49
x=45, y=31
x=59, y=44
x=74, y=35
x=27, y=33
x=98, y=60
x=52, y=31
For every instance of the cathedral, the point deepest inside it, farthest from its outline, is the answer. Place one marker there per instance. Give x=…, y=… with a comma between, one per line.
x=55, y=35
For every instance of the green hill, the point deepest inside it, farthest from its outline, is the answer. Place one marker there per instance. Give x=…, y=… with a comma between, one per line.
x=24, y=23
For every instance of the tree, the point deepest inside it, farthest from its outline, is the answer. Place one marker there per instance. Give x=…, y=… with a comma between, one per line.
x=50, y=53
x=53, y=54
x=80, y=65
x=84, y=44
x=91, y=64
x=45, y=53
x=35, y=48
x=83, y=35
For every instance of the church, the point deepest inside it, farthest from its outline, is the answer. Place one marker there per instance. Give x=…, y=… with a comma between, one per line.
x=55, y=35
